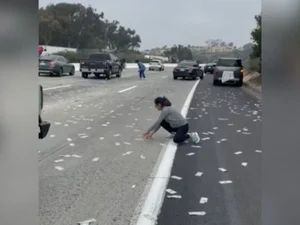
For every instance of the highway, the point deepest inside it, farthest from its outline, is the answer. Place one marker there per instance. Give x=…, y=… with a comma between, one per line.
x=94, y=164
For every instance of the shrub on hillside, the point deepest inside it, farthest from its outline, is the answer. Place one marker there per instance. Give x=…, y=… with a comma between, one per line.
x=254, y=65
x=73, y=57
x=131, y=57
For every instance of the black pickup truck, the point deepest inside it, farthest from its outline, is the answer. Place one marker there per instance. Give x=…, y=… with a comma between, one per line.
x=99, y=64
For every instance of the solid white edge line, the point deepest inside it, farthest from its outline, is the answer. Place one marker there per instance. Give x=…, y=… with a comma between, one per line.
x=154, y=200
x=56, y=87
x=127, y=89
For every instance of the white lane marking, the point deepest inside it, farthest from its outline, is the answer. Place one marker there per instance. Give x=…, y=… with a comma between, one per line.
x=127, y=89
x=56, y=87
x=156, y=194
x=164, y=76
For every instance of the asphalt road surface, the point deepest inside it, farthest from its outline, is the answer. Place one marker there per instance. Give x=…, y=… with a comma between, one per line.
x=218, y=181
x=94, y=163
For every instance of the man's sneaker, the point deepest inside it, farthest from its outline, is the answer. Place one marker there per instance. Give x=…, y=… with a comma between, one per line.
x=171, y=135
x=195, y=137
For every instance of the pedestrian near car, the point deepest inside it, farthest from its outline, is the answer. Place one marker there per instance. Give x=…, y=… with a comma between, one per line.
x=172, y=121
x=142, y=69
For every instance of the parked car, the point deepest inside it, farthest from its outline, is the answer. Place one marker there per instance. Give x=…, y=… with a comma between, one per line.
x=55, y=65
x=209, y=68
x=229, y=71
x=188, y=69
x=101, y=63
x=156, y=65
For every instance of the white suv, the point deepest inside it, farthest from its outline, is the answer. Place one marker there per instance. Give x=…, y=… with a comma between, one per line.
x=156, y=65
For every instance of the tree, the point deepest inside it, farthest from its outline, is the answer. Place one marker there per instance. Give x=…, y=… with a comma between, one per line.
x=256, y=37
x=179, y=53
x=77, y=26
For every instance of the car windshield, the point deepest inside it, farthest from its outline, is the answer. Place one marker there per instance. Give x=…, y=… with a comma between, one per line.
x=47, y=57
x=229, y=62
x=186, y=64
x=99, y=57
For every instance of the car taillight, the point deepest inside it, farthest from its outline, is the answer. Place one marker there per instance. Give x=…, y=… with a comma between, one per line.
x=52, y=63
x=175, y=69
x=217, y=71
x=191, y=70
x=242, y=72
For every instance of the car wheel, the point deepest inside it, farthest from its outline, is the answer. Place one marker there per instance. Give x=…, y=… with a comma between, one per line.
x=175, y=78
x=119, y=73
x=60, y=72
x=240, y=83
x=201, y=77
x=215, y=82
x=85, y=75
x=72, y=71
x=108, y=75
x=97, y=75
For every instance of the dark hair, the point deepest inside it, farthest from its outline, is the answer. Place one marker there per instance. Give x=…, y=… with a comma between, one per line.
x=136, y=61
x=163, y=101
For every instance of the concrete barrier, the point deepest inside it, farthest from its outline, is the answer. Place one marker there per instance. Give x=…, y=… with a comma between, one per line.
x=134, y=65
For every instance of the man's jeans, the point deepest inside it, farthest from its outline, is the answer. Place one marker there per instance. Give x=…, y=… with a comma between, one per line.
x=142, y=74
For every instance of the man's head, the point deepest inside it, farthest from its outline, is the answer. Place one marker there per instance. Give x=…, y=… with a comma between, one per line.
x=137, y=61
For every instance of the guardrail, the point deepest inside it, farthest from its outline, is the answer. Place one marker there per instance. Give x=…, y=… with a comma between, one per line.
x=134, y=65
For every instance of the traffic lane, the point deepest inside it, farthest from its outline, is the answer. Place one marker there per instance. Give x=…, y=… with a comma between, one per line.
x=229, y=123
x=58, y=106
x=106, y=163
x=89, y=88
x=49, y=82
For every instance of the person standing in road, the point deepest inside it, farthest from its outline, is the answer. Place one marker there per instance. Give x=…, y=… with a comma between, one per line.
x=172, y=121
x=142, y=69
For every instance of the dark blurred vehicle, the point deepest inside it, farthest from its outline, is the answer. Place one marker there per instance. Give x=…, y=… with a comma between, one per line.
x=43, y=125
x=55, y=65
x=229, y=71
x=188, y=69
x=156, y=64
x=209, y=68
x=101, y=63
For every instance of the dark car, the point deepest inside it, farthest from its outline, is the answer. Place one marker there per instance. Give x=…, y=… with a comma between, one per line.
x=229, y=71
x=101, y=63
x=43, y=125
x=188, y=69
x=55, y=65
x=209, y=68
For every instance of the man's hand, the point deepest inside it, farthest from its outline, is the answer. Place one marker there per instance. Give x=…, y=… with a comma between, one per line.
x=148, y=134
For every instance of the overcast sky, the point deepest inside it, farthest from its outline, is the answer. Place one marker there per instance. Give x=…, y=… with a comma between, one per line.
x=168, y=22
